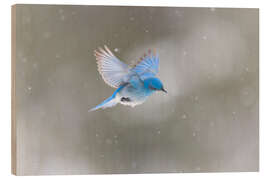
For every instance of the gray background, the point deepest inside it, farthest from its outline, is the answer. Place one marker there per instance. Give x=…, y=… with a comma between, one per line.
x=209, y=64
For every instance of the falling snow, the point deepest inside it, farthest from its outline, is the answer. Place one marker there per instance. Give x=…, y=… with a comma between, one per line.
x=60, y=11
x=24, y=59
x=50, y=82
x=134, y=165
x=184, y=116
x=26, y=20
x=212, y=9
x=57, y=55
x=46, y=35
x=35, y=66
x=209, y=76
x=184, y=53
x=108, y=141
x=178, y=13
x=62, y=17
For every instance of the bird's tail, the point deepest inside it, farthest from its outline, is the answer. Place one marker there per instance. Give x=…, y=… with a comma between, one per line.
x=111, y=101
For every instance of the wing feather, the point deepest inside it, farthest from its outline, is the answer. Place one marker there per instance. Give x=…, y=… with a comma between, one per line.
x=148, y=65
x=113, y=71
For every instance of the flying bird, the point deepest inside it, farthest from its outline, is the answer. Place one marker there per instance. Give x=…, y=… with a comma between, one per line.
x=133, y=83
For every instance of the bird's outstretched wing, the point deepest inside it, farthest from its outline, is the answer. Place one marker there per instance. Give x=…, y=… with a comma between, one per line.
x=113, y=71
x=148, y=65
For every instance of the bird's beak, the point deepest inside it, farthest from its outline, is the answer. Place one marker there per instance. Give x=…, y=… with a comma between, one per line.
x=163, y=90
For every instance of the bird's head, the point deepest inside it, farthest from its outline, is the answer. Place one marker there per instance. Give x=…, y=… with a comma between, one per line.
x=154, y=84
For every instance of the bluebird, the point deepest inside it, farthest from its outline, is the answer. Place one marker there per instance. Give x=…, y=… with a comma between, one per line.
x=133, y=83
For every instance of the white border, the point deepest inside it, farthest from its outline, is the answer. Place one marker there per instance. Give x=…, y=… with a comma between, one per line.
x=5, y=126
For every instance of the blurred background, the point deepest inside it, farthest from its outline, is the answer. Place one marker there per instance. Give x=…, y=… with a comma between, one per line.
x=209, y=64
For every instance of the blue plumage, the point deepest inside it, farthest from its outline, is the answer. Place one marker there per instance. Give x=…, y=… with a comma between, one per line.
x=134, y=84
